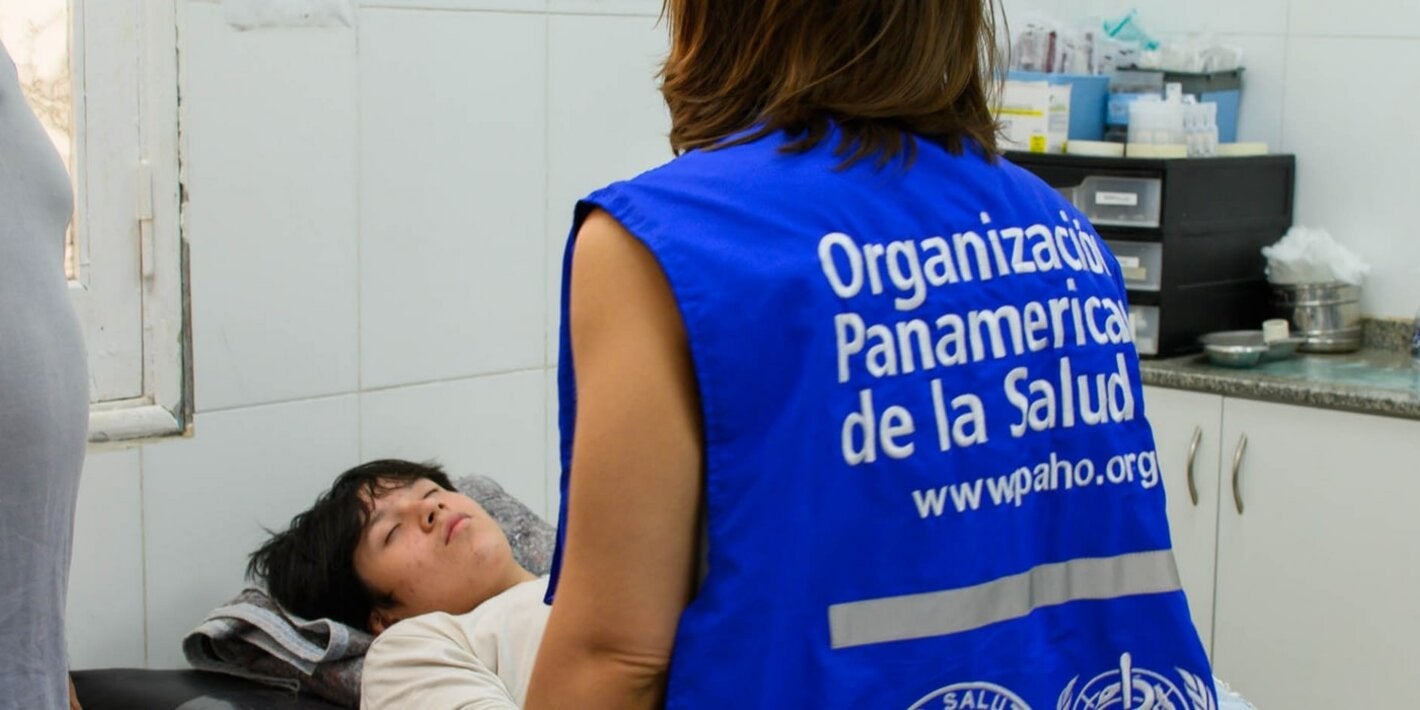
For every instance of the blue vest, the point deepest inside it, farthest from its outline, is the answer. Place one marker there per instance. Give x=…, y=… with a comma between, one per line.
x=929, y=478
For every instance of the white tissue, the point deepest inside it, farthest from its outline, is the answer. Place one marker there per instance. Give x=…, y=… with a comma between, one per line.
x=1229, y=700
x=1306, y=256
x=255, y=14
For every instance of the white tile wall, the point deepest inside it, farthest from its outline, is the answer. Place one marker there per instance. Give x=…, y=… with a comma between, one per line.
x=1265, y=82
x=378, y=214
x=452, y=150
x=1357, y=152
x=206, y=501
x=1365, y=18
x=269, y=124
x=1252, y=17
x=495, y=426
x=650, y=8
x=606, y=121
x=105, y=614
x=524, y=6
x=1015, y=11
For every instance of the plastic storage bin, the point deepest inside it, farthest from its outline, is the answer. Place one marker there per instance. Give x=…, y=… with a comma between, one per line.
x=1089, y=94
x=1119, y=201
x=1222, y=88
x=1141, y=262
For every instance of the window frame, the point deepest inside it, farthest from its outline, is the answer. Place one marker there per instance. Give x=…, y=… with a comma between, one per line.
x=129, y=208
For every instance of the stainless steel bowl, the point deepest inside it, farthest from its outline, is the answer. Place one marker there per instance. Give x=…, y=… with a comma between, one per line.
x=1326, y=315
x=1246, y=348
x=1283, y=349
x=1241, y=356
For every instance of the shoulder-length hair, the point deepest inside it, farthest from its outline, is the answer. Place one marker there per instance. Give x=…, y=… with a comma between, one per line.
x=882, y=70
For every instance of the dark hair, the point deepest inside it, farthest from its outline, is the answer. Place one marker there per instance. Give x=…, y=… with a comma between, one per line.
x=309, y=569
x=883, y=70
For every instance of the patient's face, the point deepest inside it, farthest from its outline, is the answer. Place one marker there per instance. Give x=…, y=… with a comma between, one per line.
x=434, y=550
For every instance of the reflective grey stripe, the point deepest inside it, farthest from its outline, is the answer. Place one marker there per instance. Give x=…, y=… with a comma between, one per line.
x=953, y=611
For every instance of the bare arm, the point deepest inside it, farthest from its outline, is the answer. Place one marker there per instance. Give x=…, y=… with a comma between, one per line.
x=629, y=560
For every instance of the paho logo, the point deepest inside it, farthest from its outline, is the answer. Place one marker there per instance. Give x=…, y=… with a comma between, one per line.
x=1132, y=688
x=971, y=696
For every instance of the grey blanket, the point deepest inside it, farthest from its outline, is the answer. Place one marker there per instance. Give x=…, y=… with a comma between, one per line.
x=252, y=637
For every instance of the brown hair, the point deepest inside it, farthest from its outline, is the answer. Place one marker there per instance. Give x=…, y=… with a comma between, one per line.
x=883, y=70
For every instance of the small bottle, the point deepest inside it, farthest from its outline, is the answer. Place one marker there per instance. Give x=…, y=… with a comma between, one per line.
x=1171, y=117
x=1210, y=128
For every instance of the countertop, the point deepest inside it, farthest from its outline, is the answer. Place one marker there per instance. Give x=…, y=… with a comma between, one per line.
x=1379, y=379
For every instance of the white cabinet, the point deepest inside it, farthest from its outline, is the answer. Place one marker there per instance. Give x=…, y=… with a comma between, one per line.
x=1318, y=584
x=1312, y=591
x=1187, y=431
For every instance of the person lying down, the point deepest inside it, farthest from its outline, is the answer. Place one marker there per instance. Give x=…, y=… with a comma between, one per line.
x=394, y=549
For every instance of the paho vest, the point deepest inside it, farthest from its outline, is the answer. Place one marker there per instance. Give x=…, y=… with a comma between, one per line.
x=929, y=479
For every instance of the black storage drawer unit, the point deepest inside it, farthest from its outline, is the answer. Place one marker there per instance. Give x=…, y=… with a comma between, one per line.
x=1188, y=234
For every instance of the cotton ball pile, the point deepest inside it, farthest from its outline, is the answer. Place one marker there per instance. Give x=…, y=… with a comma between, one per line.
x=1309, y=256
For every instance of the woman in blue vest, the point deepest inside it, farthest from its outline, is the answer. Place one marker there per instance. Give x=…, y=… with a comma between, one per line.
x=850, y=408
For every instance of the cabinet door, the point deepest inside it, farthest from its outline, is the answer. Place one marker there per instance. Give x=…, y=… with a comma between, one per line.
x=1187, y=429
x=1318, y=584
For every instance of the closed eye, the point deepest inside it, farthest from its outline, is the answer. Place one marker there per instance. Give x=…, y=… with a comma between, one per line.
x=389, y=536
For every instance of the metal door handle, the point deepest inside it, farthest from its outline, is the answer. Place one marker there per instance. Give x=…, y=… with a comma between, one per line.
x=1237, y=472
x=1192, y=455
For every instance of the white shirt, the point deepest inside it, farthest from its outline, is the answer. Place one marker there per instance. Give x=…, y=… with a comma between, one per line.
x=481, y=660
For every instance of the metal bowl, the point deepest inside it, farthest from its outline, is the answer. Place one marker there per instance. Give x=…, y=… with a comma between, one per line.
x=1327, y=316
x=1283, y=349
x=1246, y=348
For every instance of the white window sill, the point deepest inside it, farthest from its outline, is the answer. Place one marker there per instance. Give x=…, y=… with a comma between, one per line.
x=132, y=420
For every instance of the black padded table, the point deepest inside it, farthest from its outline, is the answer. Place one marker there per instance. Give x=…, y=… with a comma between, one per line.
x=138, y=689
